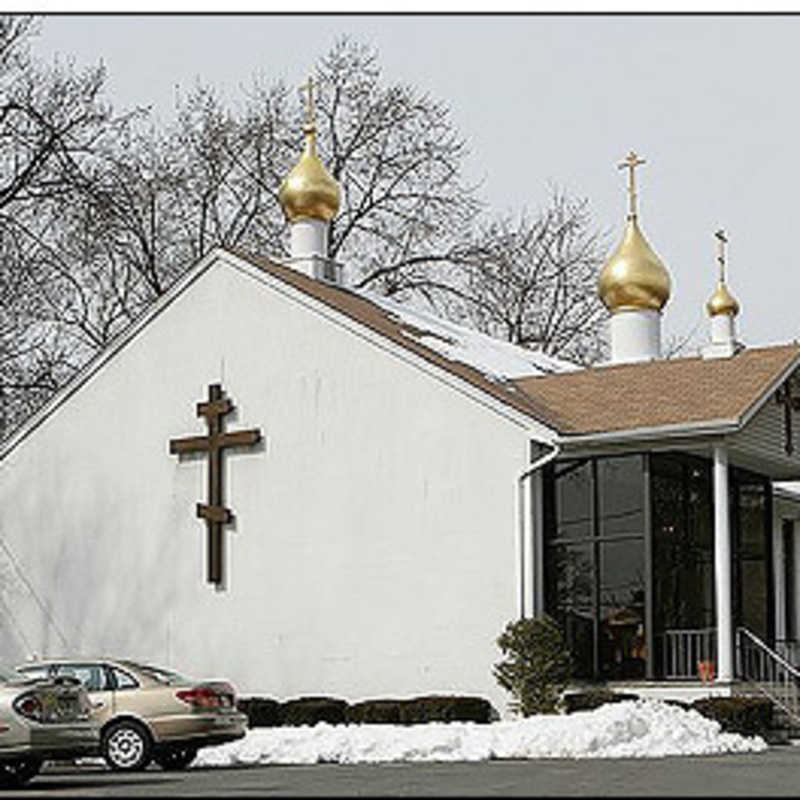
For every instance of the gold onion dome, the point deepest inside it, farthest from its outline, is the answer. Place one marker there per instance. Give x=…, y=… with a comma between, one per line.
x=309, y=190
x=634, y=276
x=722, y=301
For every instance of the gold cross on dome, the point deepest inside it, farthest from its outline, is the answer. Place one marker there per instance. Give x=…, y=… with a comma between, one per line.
x=722, y=240
x=631, y=161
x=308, y=87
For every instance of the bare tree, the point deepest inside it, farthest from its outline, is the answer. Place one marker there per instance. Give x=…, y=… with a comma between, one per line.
x=533, y=280
x=398, y=158
x=51, y=120
x=99, y=214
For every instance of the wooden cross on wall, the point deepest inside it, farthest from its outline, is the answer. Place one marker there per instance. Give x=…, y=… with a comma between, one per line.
x=214, y=512
x=783, y=397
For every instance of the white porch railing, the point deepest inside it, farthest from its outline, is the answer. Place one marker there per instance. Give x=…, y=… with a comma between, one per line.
x=685, y=649
x=789, y=649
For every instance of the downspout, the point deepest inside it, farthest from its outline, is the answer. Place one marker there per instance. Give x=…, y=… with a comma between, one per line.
x=526, y=533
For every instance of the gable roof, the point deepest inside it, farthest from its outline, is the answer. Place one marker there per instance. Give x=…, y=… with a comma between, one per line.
x=668, y=394
x=484, y=362
x=684, y=392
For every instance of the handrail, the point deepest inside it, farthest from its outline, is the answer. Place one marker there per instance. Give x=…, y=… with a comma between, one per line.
x=780, y=659
x=769, y=672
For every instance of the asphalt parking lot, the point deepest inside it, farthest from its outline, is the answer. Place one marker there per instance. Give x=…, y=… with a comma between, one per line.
x=775, y=773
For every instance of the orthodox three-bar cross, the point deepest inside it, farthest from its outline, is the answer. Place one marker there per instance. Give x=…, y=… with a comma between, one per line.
x=308, y=87
x=630, y=163
x=722, y=240
x=784, y=398
x=214, y=512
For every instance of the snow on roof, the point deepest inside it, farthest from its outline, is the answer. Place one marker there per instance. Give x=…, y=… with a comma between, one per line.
x=495, y=358
x=628, y=729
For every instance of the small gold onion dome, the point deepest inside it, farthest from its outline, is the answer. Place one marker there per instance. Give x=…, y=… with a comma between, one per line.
x=722, y=302
x=634, y=276
x=309, y=190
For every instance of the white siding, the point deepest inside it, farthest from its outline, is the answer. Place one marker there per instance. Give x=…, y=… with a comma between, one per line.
x=374, y=549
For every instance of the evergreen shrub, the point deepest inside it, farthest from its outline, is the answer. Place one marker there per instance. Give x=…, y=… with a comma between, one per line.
x=262, y=712
x=586, y=701
x=375, y=712
x=437, y=708
x=311, y=710
x=536, y=665
x=420, y=710
x=750, y=716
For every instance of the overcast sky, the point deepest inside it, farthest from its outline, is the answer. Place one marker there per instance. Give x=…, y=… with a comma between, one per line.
x=709, y=101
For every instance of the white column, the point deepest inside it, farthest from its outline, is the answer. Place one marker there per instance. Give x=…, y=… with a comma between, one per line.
x=796, y=609
x=778, y=572
x=722, y=566
x=528, y=548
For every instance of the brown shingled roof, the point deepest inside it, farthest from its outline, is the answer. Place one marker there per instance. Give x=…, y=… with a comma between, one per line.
x=378, y=319
x=595, y=400
x=657, y=393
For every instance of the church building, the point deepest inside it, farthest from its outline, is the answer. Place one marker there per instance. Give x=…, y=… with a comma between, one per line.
x=311, y=490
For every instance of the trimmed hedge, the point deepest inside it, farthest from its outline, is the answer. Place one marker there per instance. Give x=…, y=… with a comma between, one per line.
x=586, y=701
x=437, y=708
x=376, y=712
x=264, y=712
x=750, y=716
x=311, y=710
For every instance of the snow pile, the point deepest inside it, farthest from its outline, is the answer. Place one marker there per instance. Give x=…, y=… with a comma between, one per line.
x=493, y=357
x=638, y=729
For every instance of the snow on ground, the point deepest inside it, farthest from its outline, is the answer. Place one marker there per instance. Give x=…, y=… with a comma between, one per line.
x=493, y=357
x=638, y=729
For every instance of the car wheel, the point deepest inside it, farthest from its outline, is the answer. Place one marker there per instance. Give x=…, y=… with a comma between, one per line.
x=18, y=773
x=126, y=746
x=175, y=757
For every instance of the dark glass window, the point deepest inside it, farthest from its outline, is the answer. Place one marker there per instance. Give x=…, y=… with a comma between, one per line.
x=594, y=562
x=570, y=569
x=622, y=573
x=620, y=498
x=683, y=555
x=573, y=500
x=751, y=568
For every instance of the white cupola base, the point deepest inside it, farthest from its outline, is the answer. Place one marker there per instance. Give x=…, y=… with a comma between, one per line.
x=723, y=337
x=308, y=250
x=635, y=335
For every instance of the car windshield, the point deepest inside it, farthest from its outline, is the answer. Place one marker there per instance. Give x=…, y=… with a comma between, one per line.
x=8, y=675
x=165, y=676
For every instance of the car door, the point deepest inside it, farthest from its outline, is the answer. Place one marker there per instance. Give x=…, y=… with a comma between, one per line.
x=127, y=697
x=96, y=678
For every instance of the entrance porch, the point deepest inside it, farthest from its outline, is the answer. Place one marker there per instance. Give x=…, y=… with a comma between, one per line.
x=654, y=561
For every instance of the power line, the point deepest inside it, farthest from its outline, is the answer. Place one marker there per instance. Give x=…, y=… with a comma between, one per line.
x=40, y=603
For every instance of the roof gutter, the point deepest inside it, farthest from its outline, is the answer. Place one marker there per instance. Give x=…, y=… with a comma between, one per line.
x=526, y=543
x=704, y=428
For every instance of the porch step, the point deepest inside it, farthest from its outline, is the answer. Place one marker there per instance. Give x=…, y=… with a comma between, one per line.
x=785, y=728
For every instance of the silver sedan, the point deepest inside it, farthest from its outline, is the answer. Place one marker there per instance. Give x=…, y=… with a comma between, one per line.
x=40, y=720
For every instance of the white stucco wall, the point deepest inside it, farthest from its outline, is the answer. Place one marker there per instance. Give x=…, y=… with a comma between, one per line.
x=375, y=544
